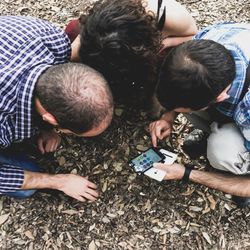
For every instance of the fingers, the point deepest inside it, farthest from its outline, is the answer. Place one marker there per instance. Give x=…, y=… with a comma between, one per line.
x=166, y=133
x=48, y=141
x=40, y=146
x=79, y=187
x=89, y=196
x=52, y=145
x=91, y=185
x=160, y=166
x=92, y=192
x=154, y=139
x=158, y=132
x=80, y=198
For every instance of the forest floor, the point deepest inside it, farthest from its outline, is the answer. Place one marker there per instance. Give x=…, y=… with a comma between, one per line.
x=132, y=212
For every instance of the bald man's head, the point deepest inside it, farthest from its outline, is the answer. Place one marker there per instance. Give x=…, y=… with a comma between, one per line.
x=76, y=95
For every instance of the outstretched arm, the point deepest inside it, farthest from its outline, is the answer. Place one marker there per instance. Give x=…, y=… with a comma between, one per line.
x=179, y=25
x=231, y=184
x=73, y=185
x=228, y=183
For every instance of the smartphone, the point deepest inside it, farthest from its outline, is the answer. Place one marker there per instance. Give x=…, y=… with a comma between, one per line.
x=146, y=159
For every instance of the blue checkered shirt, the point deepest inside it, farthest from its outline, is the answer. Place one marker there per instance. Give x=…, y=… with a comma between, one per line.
x=28, y=46
x=236, y=38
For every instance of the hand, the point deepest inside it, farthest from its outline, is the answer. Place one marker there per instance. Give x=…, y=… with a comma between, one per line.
x=173, y=172
x=48, y=141
x=159, y=130
x=78, y=187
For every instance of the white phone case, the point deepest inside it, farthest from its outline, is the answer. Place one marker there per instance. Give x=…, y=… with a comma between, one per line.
x=170, y=157
x=158, y=174
x=155, y=173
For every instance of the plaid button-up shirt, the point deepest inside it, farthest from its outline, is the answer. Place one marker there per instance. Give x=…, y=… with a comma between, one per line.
x=236, y=38
x=28, y=46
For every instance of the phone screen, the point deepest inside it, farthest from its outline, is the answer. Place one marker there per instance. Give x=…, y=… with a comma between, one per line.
x=145, y=161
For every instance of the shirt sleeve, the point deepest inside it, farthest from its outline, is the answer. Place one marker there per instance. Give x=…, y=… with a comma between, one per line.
x=11, y=178
x=242, y=118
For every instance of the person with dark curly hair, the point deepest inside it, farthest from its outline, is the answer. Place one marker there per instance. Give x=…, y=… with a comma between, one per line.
x=122, y=39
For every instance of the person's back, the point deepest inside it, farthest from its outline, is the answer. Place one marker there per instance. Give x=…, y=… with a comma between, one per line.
x=28, y=46
x=38, y=86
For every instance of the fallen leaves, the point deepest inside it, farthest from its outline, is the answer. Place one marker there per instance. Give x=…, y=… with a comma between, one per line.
x=207, y=238
x=4, y=218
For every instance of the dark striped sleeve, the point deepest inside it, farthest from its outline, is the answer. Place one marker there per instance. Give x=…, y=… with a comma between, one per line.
x=11, y=178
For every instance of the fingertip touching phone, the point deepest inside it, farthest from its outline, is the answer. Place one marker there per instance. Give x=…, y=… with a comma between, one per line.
x=146, y=159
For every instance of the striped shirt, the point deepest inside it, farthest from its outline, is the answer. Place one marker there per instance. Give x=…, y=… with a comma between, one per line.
x=28, y=47
x=235, y=37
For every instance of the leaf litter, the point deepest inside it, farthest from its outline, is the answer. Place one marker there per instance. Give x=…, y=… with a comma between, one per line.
x=133, y=212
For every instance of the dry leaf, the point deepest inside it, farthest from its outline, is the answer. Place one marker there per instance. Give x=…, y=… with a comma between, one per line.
x=61, y=161
x=1, y=205
x=111, y=215
x=174, y=230
x=91, y=227
x=4, y=218
x=195, y=209
x=190, y=214
x=228, y=207
x=206, y=210
x=29, y=234
x=156, y=229
x=120, y=212
x=70, y=212
x=105, y=219
x=207, y=238
x=92, y=245
x=118, y=111
x=104, y=186
x=188, y=192
x=212, y=202
x=141, y=147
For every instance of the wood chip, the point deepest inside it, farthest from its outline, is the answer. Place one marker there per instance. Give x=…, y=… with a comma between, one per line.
x=207, y=238
x=3, y=218
x=92, y=245
x=212, y=202
x=70, y=212
x=29, y=234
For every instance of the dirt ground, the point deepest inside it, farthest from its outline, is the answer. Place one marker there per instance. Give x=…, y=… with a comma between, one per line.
x=133, y=212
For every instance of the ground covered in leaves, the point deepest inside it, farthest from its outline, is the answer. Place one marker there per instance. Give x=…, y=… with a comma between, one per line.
x=133, y=212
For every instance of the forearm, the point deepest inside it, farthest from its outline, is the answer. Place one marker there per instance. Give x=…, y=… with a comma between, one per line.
x=35, y=180
x=73, y=185
x=232, y=184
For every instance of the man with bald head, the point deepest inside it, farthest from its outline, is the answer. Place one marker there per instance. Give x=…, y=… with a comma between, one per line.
x=42, y=94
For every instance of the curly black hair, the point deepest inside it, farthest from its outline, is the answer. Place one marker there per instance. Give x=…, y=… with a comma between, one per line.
x=120, y=39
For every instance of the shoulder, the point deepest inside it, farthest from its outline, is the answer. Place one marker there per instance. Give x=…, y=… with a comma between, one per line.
x=28, y=28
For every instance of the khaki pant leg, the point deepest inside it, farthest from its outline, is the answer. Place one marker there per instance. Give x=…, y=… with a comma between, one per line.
x=226, y=150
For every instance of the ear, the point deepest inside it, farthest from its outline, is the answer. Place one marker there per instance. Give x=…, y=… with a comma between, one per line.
x=47, y=117
x=222, y=97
